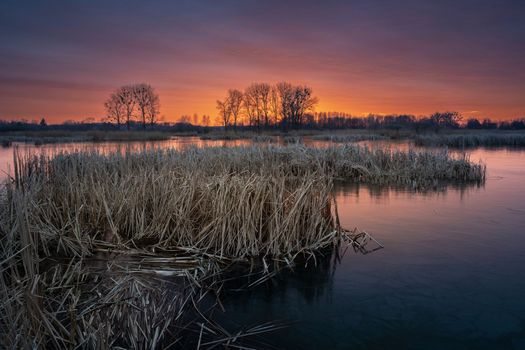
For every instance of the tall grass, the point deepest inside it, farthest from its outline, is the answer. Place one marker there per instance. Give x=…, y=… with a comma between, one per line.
x=171, y=199
x=202, y=206
x=348, y=138
x=53, y=136
x=230, y=202
x=487, y=139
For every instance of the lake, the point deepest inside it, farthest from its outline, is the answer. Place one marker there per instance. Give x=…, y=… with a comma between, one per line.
x=451, y=274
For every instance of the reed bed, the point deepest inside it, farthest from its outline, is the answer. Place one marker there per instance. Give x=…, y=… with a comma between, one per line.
x=114, y=299
x=264, y=138
x=185, y=212
x=349, y=138
x=416, y=169
x=51, y=137
x=292, y=139
x=233, y=202
x=226, y=136
x=494, y=139
x=102, y=304
x=150, y=199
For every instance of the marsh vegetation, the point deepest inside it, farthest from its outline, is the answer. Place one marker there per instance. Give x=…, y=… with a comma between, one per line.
x=472, y=139
x=70, y=219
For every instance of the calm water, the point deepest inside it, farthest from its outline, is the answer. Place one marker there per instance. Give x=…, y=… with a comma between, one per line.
x=451, y=275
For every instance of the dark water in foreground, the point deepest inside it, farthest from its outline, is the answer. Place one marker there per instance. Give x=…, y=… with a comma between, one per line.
x=451, y=275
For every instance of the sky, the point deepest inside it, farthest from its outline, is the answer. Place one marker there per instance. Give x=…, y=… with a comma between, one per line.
x=61, y=59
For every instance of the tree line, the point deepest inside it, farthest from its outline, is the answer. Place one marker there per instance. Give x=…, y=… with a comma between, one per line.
x=433, y=122
x=136, y=102
x=262, y=105
x=317, y=121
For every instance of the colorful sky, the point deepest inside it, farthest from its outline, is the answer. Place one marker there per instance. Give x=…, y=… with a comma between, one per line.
x=60, y=59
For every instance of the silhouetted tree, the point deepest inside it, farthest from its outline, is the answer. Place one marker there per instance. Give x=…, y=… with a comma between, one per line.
x=153, y=110
x=126, y=95
x=234, y=99
x=122, y=105
x=147, y=102
x=473, y=123
x=285, y=101
x=294, y=102
x=224, y=112
x=115, y=109
x=257, y=104
x=446, y=119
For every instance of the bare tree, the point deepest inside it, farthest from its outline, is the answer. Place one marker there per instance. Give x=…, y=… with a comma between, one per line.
x=153, y=110
x=446, y=119
x=250, y=106
x=115, y=110
x=146, y=99
x=285, y=101
x=294, y=103
x=126, y=97
x=274, y=105
x=257, y=102
x=235, y=98
x=264, y=105
x=224, y=112
x=303, y=101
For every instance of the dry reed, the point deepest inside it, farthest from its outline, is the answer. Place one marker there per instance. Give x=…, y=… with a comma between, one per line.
x=203, y=206
x=487, y=139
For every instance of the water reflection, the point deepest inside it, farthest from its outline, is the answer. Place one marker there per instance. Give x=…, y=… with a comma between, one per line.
x=385, y=193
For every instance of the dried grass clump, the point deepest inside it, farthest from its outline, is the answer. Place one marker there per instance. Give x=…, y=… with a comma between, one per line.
x=75, y=201
x=417, y=169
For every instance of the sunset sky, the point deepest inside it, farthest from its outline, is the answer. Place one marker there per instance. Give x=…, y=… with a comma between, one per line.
x=60, y=59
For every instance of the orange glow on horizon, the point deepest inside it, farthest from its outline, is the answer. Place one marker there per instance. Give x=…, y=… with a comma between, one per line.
x=177, y=103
